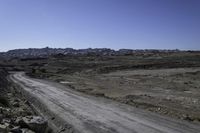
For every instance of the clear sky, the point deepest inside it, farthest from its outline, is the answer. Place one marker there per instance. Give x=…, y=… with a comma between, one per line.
x=136, y=24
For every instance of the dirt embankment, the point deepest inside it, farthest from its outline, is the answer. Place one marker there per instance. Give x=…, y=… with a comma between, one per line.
x=16, y=114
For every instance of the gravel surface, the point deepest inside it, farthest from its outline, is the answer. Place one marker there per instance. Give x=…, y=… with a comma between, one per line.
x=88, y=114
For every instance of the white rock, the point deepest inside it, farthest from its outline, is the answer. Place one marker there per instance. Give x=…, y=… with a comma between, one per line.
x=25, y=130
x=3, y=128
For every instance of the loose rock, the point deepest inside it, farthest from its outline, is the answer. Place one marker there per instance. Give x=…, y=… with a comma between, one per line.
x=3, y=128
x=35, y=123
x=16, y=130
x=25, y=130
x=16, y=104
x=19, y=121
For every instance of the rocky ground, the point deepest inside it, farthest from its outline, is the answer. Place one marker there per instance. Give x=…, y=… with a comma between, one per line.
x=165, y=83
x=171, y=92
x=16, y=114
x=76, y=112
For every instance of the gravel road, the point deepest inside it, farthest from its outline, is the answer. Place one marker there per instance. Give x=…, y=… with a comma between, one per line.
x=88, y=114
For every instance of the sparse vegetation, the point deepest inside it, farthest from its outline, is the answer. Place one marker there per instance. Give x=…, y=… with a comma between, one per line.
x=165, y=83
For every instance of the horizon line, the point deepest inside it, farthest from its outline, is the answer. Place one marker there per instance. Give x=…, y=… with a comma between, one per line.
x=100, y=48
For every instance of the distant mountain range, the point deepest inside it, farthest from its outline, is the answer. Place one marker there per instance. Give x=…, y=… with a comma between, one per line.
x=46, y=52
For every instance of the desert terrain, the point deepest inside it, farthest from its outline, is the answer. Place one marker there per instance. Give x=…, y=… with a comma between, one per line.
x=163, y=83
x=81, y=113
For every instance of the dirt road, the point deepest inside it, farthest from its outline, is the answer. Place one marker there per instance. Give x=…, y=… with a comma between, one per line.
x=89, y=114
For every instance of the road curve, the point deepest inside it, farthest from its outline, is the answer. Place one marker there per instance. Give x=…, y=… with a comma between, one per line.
x=90, y=114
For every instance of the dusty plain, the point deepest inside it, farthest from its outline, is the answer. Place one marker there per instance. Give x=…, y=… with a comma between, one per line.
x=165, y=83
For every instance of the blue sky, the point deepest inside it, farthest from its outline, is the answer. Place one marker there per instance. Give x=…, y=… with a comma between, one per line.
x=135, y=24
